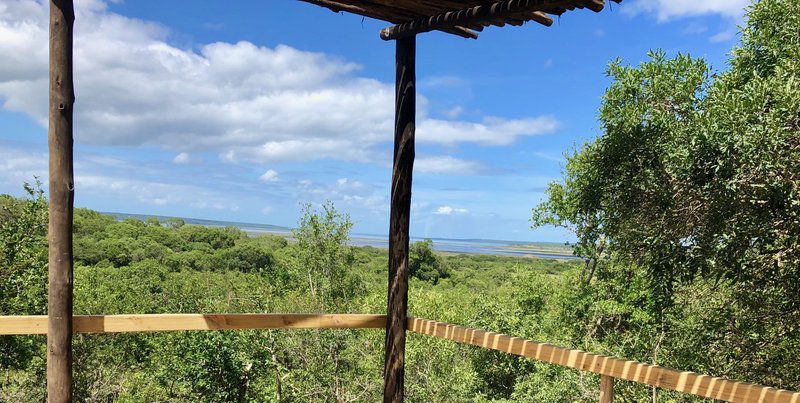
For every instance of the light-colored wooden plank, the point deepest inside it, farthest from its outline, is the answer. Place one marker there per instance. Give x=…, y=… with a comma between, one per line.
x=21, y=325
x=606, y=389
x=686, y=382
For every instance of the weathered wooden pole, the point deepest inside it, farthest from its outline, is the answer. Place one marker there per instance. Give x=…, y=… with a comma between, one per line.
x=405, y=112
x=606, y=389
x=59, y=299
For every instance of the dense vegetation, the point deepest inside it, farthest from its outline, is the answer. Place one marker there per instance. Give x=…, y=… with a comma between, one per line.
x=687, y=207
x=133, y=266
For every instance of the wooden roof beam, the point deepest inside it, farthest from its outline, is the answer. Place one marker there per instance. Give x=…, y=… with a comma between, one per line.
x=383, y=12
x=493, y=14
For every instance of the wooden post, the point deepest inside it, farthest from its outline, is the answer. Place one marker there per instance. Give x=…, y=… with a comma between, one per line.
x=405, y=111
x=59, y=300
x=606, y=389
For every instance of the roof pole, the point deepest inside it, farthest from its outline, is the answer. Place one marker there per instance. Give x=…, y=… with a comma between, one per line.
x=61, y=187
x=405, y=111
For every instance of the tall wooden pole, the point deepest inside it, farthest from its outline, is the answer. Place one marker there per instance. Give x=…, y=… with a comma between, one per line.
x=59, y=300
x=405, y=112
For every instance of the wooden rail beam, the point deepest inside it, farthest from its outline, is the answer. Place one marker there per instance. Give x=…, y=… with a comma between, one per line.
x=61, y=188
x=686, y=382
x=22, y=325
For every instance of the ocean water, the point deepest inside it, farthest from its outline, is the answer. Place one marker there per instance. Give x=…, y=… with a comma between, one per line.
x=544, y=250
x=479, y=246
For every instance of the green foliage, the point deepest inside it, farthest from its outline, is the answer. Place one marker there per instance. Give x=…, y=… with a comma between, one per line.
x=23, y=273
x=424, y=264
x=323, y=256
x=686, y=207
x=23, y=253
x=217, y=238
x=162, y=268
x=692, y=192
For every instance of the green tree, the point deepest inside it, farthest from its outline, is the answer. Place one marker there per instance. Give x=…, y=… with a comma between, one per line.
x=696, y=178
x=23, y=282
x=218, y=238
x=424, y=264
x=324, y=256
x=23, y=253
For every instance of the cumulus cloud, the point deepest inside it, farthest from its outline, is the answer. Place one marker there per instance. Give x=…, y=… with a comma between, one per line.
x=344, y=192
x=447, y=165
x=270, y=176
x=181, y=158
x=492, y=131
x=447, y=210
x=152, y=192
x=97, y=176
x=669, y=9
x=246, y=102
x=453, y=112
x=18, y=166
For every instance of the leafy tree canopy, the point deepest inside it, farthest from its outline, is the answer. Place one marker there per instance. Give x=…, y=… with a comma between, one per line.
x=696, y=177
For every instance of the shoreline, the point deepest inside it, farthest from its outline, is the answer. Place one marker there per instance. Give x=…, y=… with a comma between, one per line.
x=450, y=247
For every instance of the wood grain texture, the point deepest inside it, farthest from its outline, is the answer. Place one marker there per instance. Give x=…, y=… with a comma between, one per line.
x=453, y=16
x=606, y=389
x=499, y=13
x=686, y=382
x=61, y=188
x=21, y=325
x=405, y=115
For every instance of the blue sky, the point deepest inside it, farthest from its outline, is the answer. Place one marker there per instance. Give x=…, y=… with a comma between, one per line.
x=244, y=110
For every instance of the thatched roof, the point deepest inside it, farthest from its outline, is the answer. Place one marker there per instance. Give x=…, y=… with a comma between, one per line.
x=460, y=17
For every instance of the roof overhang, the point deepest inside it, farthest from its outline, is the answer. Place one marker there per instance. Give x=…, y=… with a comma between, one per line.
x=464, y=18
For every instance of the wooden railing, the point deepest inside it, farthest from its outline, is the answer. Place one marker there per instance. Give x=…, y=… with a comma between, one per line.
x=609, y=368
x=20, y=325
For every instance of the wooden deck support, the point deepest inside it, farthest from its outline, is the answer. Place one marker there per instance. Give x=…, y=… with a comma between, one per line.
x=606, y=389
x=61, y=185
x=405, y=113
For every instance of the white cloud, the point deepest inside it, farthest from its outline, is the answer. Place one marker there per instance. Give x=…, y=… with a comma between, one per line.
x=344, y=192
x=99, y=177
x=18, y=167
x=492, y=131
x=444, y=210
x=348, y=184
x=300, y=150
x=454, y=112
x=724, y=36
x=446, y=165
x=243, y=101
x=670, y=9
x=147, y=191
x=447, y=210
x=550, y=157
x=442, y=81
x=270, y=176
x=181, y=158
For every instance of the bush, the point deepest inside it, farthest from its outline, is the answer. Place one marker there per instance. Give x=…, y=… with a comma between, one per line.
x=424, y=264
